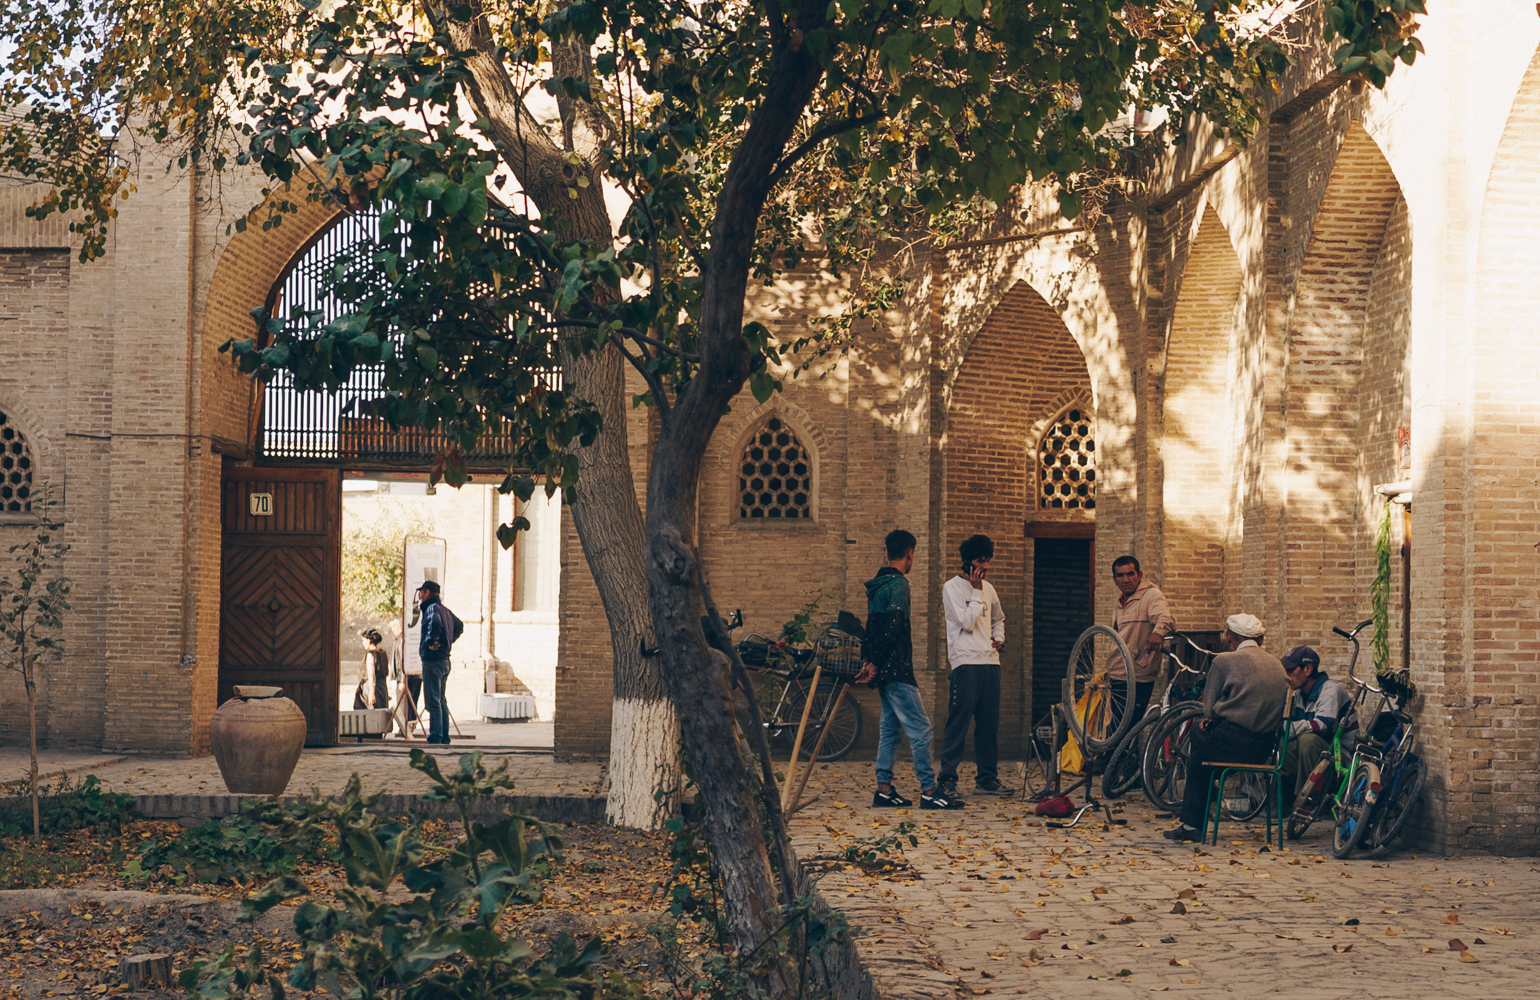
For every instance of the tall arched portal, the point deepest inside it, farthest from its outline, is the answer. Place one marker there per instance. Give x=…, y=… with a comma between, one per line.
x=291, y=454
x=1197, y=444
x=1345, y=401
x=1487, y=683
x=1020, y=454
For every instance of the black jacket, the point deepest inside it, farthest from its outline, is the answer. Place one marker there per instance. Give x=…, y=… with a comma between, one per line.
x=888, y=645
x=440, y=629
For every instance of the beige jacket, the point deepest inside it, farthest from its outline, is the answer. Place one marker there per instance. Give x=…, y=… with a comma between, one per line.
x=1140, y=613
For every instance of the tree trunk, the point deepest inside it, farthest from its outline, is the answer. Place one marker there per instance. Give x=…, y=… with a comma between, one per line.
x=700, y=677
x=644, y=729
x=31, y=686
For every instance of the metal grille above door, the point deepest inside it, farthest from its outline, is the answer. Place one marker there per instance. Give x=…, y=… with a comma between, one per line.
x=325, y=428
x=280, y=589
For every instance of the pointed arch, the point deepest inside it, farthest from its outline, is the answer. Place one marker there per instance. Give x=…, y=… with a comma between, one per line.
x=1345, y=385
x=1021, y=369
x=1199, y=421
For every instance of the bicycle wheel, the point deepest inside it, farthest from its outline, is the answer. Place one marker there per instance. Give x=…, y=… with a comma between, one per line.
x=1353, y=814
x=845, y=732
x=1244, y=796
x=1166, y=754
x=1095, y=719
x=1310, y=802
x=1390, y=818
x=1125, y=766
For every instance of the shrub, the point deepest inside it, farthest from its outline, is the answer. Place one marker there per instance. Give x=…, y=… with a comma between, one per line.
x=438, y=940
x=66, y=806
x=265, y=839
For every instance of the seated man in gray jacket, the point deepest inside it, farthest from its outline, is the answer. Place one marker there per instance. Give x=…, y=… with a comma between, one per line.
x=1243, y=702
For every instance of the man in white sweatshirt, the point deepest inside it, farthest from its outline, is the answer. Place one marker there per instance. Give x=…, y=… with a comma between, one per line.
x=975, y=631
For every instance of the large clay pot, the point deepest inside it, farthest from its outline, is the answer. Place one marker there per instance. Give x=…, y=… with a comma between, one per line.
x=257, y=737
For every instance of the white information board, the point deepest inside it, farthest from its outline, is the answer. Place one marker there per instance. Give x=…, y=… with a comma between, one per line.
x=422, y=559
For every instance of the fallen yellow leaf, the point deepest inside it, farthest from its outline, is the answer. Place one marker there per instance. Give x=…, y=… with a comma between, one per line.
x=1466, y=956
x=1453, y=918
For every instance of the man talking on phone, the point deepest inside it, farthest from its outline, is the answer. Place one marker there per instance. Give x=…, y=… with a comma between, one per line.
x=975, y=631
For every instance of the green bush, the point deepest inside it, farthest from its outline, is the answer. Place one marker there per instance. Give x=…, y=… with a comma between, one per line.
x=439, y=939
x=66, y=806
x=265, y=839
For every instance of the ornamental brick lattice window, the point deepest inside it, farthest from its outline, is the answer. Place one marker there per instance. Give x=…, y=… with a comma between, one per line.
x=1066, y=462
x=15, y=469
x=776, y=476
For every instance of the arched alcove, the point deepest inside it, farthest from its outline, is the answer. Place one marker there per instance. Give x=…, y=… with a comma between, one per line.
x=1500, y=467
x=1197, y=444
x=1022, y=369
x=1345, y=392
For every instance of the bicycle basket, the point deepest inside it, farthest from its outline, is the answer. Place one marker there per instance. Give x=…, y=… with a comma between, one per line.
x=839, y=652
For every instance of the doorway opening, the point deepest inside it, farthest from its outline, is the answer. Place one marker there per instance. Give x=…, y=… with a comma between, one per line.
x=397, y=532
x=1063, y=596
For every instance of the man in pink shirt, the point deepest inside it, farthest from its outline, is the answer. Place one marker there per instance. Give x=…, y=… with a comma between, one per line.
x=1144, y=621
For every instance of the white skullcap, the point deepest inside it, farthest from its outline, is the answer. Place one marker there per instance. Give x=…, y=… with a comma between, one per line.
x=1245, y=626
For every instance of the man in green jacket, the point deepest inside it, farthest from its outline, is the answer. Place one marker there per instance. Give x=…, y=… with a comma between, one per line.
x=887, y=656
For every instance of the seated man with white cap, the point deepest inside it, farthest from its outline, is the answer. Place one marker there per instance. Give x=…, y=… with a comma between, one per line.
x=1243, y=701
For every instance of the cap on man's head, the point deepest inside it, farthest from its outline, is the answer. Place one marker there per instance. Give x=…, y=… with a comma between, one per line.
x=1245, y=626
x=431, y=586
x=1301, y=656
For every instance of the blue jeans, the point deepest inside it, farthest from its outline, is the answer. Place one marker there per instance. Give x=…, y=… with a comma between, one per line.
x=902, y=711
x=434, y=675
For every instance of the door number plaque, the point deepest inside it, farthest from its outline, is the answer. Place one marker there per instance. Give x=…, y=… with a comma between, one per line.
x=261, y=504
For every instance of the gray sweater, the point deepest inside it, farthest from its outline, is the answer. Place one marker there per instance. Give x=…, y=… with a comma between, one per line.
x=1247, y=687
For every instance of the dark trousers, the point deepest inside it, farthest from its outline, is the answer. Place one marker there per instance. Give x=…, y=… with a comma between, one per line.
x=1225, y=742
x=434, y=674
x=1142, y=692
x=975, y=698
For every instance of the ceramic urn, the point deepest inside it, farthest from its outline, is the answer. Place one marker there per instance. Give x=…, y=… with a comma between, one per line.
x=257, y=738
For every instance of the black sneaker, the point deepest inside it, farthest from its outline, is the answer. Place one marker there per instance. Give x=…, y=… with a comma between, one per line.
x=889, y=800
x=1185, y=834
x=943, y=799
x=992, y=787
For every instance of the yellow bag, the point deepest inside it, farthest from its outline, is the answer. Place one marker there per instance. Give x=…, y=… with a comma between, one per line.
x=1071, y=758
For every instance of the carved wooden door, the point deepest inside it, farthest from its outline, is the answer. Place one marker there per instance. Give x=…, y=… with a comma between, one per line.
x=280, y=592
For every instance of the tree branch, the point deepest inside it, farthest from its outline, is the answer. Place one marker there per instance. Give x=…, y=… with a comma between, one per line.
x=827, y=132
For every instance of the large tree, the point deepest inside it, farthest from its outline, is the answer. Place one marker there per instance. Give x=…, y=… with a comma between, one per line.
x=486, y=133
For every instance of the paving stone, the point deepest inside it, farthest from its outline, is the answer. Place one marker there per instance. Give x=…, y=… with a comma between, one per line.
x=1260, y=922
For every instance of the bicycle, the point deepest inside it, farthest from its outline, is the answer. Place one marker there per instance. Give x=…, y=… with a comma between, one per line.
x=784, y=675
x=1125, y=766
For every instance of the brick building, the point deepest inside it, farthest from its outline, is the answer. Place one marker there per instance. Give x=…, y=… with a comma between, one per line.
x=1240, y=354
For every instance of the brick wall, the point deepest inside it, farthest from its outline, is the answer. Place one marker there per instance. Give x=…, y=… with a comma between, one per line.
x=34, y=339
x=1494, y=723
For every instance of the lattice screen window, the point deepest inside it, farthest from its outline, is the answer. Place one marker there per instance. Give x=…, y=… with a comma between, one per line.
x=776, y=476
x=1067, y=462
x=15, y=469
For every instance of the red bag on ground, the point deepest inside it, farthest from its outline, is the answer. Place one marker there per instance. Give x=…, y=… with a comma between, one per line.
x=1058, y=807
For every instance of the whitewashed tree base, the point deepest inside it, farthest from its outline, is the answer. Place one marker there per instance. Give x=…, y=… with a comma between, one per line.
x=644, y=757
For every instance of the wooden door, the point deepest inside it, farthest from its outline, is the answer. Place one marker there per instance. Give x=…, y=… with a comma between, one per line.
x=280, y=593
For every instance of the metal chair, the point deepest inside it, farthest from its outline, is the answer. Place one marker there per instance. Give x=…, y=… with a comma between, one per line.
x=1213, y=806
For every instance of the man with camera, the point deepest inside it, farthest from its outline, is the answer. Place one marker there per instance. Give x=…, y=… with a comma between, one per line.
x=975, y=632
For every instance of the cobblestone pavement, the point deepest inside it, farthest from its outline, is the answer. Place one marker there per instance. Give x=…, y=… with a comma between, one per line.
x=1122, y=912
x=16, y=763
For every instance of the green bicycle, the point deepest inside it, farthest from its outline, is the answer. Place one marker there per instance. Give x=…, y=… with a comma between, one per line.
x=1352, y=784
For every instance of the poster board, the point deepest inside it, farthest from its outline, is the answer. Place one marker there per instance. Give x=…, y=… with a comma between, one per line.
x=423, y=558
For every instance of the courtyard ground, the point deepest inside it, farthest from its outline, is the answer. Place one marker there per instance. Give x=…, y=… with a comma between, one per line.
x=991, y=902
x=996, y=903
